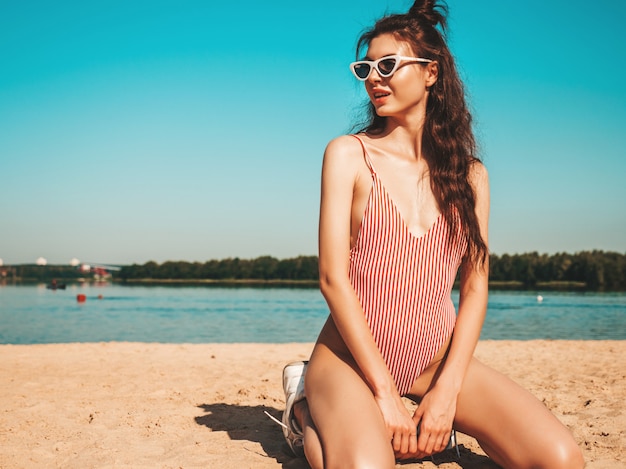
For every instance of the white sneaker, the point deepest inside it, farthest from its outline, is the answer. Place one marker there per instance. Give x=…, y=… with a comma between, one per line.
x=293, y=385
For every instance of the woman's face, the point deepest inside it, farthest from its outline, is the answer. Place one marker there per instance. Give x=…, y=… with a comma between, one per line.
x=406, y=90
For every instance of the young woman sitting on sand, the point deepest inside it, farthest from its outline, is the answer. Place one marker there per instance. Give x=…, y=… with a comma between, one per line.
x=404, y=205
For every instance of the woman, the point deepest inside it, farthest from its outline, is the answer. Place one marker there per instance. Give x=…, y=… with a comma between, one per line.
x=404, y=205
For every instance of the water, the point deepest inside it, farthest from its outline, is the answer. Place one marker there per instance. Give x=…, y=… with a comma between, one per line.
x=32, y=314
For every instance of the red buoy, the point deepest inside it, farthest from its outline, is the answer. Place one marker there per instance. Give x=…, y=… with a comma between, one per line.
x=81, y=298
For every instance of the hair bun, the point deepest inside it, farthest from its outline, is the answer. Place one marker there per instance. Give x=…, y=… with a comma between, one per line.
x=432, y=12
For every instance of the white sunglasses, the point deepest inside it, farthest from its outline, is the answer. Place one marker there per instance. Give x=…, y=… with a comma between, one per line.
x=385, y=66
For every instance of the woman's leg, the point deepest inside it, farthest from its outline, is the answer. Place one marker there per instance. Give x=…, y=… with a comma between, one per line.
x=342, y=424
x=312, y=445
x=513, y=427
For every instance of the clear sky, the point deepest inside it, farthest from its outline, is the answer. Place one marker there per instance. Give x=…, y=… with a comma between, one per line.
x=193, y=130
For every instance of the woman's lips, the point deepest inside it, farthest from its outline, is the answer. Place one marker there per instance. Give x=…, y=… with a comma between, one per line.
x=379, y=96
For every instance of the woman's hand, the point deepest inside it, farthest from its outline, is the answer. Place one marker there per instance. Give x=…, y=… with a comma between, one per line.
x=401, y=427
x=435, y=415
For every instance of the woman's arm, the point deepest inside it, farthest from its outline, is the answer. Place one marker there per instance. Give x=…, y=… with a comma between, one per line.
x=340, y=176
x=439, y=405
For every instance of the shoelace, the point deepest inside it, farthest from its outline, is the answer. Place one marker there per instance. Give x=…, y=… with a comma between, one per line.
x=276, y=420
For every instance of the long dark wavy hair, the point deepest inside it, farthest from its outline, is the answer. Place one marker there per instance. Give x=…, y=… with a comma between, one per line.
x=448, y=140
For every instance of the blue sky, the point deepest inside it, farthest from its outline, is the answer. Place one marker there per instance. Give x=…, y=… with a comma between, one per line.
x=134, y=131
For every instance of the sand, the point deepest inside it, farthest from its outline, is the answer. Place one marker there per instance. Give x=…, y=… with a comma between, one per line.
x=137, y=405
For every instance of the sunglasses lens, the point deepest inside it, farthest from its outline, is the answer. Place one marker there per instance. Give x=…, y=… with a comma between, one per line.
x=362, y=70
x=386, y=67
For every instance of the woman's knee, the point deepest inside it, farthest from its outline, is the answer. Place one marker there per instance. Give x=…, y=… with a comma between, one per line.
x=361, y=444
x=509, y=409
x=565, y=454
x=346, y=418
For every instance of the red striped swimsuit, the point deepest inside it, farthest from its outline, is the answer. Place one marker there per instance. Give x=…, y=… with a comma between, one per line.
x=404, y=284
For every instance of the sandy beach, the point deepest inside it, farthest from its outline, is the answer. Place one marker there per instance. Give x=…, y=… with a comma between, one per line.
x=134, y=405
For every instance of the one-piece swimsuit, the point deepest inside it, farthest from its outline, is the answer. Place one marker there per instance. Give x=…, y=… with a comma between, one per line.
x=404, y=283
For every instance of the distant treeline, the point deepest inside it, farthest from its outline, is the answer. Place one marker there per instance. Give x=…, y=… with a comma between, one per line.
x=41, y=273
x=588, y=270
x=302, y=268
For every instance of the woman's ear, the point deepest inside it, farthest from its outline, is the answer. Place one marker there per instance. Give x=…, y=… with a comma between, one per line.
x=432, y=73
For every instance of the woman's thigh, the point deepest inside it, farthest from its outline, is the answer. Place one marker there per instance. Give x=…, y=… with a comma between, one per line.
x=347, y=419
x=511, y=425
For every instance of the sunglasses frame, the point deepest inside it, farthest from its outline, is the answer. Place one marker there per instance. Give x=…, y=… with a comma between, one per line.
x=374, y=65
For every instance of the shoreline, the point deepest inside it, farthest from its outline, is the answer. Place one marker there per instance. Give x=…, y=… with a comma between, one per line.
x=494, y=285
x=126, y=404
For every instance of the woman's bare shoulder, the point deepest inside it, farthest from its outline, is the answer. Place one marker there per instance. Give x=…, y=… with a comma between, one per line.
x=479, y=179
x=344, y=152
x=478, y=175
x=344, y=161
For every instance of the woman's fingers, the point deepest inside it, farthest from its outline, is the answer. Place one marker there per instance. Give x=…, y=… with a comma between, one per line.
x=400, y=442
x=413, y=442
x=408, y=447
x=405, y=440
x=396, y=442
x=420, y=442
x=443, y=442
x=434, y=444
x=432, y=441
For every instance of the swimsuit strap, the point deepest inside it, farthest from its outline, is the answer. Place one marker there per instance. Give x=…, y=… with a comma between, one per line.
x=365, y=155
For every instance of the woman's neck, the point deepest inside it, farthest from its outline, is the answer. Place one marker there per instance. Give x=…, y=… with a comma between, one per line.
x=405, y=138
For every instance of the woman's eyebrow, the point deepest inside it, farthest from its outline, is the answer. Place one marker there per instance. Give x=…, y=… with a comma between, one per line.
x=367, y=57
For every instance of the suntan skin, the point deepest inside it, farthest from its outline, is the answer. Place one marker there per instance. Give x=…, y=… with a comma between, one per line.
x=353, y=415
